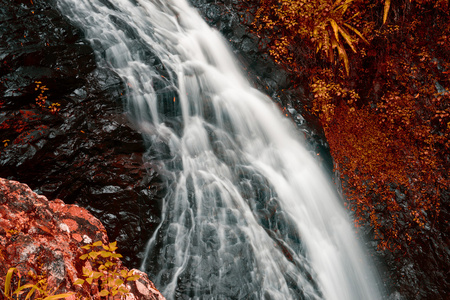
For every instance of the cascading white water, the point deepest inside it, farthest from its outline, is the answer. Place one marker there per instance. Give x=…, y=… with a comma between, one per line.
x=248, y=214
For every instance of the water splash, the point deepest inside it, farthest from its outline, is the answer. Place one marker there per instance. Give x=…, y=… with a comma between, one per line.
x=248, y=214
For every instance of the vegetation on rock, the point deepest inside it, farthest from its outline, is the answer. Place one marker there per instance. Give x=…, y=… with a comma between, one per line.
x=378, y=76
x=47, y=252
x=385, y=109
x=102, y=272
x=38, y=290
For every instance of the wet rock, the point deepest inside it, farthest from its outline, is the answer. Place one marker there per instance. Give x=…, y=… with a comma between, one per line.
x=63, y=128
x=213, y=12
x=45, y=237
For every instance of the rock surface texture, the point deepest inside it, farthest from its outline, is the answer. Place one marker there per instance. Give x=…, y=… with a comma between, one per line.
x=46, y=237
x=86, y=152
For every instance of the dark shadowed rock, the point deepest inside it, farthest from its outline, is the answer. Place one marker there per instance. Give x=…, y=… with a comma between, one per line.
x=87, y=147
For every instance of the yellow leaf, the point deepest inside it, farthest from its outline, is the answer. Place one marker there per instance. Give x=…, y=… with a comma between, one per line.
x=387, y=4
x=105, y=254
x=86, y=272
x=97, y=243
x=335, y=29
x=133, y=278
x=112, y=246
x=59, y=296
x=334, y=43
x=79, y=281
x=343, y=55
x=103, y=293
x=109, y=264
x=119, y=282
x=357, y=32
x=319, y=47
x=355, y=15
x=8, y=279
x=344, y=6
x=31, y=292
x=347, y=38
x=19, y=290
x=315, y=31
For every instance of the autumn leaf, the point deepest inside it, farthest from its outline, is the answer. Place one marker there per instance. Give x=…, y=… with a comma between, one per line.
x=387, y=4
x=79, y=281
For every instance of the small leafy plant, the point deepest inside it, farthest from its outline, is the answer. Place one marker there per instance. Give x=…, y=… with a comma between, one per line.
x=39, y=289
x=41, y=99
x=105, y=271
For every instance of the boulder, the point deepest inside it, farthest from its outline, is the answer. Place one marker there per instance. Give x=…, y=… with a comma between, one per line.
x=45, y=237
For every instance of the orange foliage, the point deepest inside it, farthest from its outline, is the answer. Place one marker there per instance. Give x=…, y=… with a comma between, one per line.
x=385, y=108
x=330, y=26
x=392, y=170
x=41, y=99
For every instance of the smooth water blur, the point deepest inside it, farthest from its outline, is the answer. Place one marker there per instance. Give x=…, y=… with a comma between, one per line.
x=248, y=213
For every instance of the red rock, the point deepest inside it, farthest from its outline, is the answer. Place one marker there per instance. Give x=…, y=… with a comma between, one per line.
x=47, y=236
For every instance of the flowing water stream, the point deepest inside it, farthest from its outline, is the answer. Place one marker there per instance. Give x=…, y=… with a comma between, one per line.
x=248, y=213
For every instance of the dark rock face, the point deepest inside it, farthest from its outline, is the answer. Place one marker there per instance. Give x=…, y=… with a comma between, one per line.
x=46, y=237
x=423, y=271
x=87, y=152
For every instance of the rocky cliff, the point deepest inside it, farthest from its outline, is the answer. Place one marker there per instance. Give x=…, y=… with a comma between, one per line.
x=45, y=238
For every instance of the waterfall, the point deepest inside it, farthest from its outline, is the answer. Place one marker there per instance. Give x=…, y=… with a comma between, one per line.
x=248, y=214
